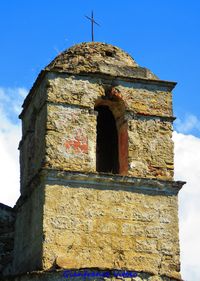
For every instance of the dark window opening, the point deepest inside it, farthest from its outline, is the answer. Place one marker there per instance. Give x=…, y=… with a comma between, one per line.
x=107, y=142
x=109, y=54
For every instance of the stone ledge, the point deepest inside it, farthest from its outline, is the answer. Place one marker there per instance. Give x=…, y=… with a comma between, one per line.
x=111, y=180
x=100, y=180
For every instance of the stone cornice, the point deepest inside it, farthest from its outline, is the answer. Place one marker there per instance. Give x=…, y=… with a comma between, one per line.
x=113, y=181
x=100, y=181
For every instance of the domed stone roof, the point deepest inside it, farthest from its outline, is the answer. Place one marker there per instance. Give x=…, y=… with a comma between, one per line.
x=95, y=57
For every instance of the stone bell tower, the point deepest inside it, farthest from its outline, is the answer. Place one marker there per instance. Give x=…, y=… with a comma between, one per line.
x=96, y=154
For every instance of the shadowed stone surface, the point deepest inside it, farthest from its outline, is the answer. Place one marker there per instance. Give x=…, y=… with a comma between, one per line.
x=7, y=219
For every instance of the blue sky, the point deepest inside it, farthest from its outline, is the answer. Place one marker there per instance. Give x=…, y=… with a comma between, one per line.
x=160, y=35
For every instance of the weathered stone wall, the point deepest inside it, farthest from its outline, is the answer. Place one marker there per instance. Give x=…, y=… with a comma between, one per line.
x=62, y=133
x=111, y=226
x=70, y=138
x=69, y=216
x=147, y=99
x=150, y=148
x=85, y=221
x=143, y=98
x=29, y=231
x=32, y=145
x=83, y=226
x=7, y=220
x=74, y=90
x=150, y=144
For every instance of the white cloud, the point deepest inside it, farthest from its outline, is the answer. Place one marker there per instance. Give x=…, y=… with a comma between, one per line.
x=187, y=125
x=187, y=168
x=10, y=134
x=11, y=101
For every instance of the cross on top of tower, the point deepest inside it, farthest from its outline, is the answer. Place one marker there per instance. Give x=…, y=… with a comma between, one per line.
x=92, y=24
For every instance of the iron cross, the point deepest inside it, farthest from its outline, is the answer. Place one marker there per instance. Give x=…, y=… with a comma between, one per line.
x=92, y=22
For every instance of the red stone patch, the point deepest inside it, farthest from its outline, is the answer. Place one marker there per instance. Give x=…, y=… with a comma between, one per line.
x=77, y=145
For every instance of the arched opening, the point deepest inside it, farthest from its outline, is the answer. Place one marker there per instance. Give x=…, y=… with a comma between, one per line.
x=107, y=156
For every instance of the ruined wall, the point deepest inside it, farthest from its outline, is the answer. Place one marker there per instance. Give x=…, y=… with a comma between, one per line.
x=7, y=220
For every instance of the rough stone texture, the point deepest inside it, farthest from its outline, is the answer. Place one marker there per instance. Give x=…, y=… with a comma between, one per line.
x=88, y=227
x=7, y=219
x=107, y=222
x=74, y=90
x=150, y=143
x=150, y=149
x=32, y=144
x=146, y=99
x=141, y=98
x=97, y=57
x=70, y=139
x=69, y=215
x=29, y=231
x=62, y=133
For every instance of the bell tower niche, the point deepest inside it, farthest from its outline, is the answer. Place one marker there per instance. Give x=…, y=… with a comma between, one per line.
x=107, y=158
x=96, y=156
